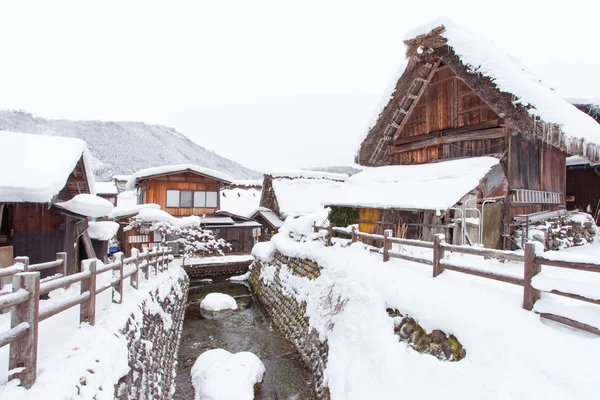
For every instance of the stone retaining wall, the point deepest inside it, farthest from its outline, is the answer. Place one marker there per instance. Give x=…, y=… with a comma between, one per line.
x=153, y=340
x=288, y=315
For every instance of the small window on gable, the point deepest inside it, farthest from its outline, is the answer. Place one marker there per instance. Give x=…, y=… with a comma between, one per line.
x=212, y=199
x=172, y=198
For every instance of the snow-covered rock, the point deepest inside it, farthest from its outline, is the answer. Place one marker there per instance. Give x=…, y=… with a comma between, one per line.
x=220, y=375
x=218, y=302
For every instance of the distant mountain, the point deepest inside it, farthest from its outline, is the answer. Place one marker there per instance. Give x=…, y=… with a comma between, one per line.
x=339, y=169
x=125, y=147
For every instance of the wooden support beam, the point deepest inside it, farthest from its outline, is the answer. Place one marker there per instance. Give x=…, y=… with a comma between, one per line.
x=469, y=128
x=431, y=139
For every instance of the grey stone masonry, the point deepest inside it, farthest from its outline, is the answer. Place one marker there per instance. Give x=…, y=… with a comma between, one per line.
x=288, y=315
x=153, y=341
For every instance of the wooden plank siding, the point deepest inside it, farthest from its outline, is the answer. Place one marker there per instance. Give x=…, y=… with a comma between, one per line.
x=155, y=191
x=447, y=104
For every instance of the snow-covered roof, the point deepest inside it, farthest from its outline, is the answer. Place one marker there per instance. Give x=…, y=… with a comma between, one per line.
x=271, y=217
x=106, y=188
x=216, y=220
x=579, y=133
x=434, y=186
x=130, y=210
x=156, y=215
x=302, y=173
x=247, y=182
x=103, y=230
x=577, y=160
x=89, y=205
x=242, y=202
x=171, y=169
x=35, y=168
x=302, y=196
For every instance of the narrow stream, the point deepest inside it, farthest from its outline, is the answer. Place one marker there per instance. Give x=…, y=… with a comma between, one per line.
x=246, y=329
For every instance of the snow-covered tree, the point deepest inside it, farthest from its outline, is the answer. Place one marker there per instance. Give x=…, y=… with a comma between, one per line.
x=195, y=240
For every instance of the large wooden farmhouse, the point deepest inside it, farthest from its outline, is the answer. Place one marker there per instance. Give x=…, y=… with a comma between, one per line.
x=186, y=190
x=459, y=96
x=38, y=173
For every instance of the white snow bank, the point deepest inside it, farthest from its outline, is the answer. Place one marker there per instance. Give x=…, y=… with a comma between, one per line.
x=220, y=375
x=303, y=173
x=239, y=278
x=508, y=354
x=434, y=186
x=155, y=215
x=218, y=302
x=68, y=351
x=511, y=76
x=263, y=251
x=89, y=205
x=238, y=201
x=169, y=169
x=125, y=210
x=103, y=230
x=106, y=188
x=219, y=259
x=303, y=196
x=36, y=167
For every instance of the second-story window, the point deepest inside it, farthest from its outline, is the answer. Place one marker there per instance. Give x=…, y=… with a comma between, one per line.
x=189, y=198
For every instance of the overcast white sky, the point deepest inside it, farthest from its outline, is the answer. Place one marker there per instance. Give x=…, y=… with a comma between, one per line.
x=268, y=84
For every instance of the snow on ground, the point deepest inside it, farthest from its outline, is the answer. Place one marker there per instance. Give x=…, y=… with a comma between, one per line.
x=220, y=375
x=66, y=350
x=103, y=230
x=434, y=186
x=218, y=302
x=89, y=205
x=238, y=201
x=168, y=169
x=511, y=353
x=219, y=259
x=40, y=173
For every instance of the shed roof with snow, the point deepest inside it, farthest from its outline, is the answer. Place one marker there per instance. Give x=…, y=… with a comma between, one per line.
x=153, y=172
x=516, y=96
x=298, y=192
x=37, y=168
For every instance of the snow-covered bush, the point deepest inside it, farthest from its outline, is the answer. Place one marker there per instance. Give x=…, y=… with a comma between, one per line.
x=194, y=239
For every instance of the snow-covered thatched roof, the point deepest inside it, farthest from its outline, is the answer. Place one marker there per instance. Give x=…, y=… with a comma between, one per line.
x=35, y=168
x=507, y=87
x=433, y=186
x=172, y=169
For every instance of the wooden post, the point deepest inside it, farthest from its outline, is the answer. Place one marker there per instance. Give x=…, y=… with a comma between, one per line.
x=353, y=234
x=62, y=269
x=315, y=229
x=22, y=260
x=23, y=351
x=329, y=235
x=387, y=245
x=531, y=267
x=135, y=278
x=87, y=310
x=438, y=253
x=120, y=285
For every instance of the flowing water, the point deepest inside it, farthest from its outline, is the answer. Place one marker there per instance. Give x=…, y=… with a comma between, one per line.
x=246, y=329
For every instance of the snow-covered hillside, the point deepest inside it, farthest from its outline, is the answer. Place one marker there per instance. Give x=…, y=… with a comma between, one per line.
x=111, y=144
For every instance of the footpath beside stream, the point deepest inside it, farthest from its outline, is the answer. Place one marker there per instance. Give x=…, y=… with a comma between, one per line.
x=246, y=329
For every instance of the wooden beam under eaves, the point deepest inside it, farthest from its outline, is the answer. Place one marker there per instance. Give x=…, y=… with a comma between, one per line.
x=438, y=138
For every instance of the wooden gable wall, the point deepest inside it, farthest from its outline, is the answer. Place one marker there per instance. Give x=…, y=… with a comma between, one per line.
x=448, y=120
x=155, y=191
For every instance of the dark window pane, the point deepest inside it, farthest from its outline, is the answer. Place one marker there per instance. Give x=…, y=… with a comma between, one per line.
x=186, y=198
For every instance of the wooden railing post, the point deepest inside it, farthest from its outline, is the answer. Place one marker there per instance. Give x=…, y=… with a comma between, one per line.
x=329, y=235
x=531, y=267
x=147, y=265
x=135, y=278
x=23, y=351
x=62, y=269
x=438, y=253
x=87, y=310
x=387, y=245
x=354, y=234
x=120, y=284
x=22, y=260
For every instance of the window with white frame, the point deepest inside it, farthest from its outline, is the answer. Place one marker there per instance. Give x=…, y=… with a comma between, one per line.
x=189, y=198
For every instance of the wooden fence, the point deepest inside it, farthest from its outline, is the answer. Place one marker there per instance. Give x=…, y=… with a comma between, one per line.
x=532, y=265
x=24, y=300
